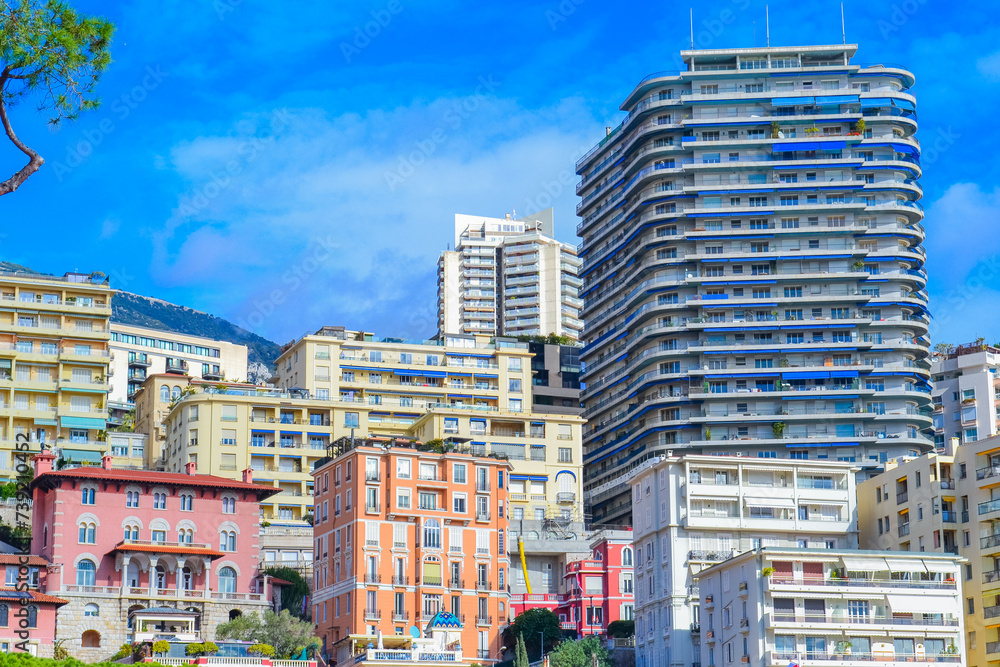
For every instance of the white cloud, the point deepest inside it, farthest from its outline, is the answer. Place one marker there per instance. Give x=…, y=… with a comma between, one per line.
x=110, y=227
x=342, y=218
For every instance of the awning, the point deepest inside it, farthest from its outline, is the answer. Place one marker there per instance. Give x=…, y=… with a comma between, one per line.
x=83, y=422
x=45, y=422
x=875, y=102
x=797, y=146
x=81, y=455
x=791, y=101
x=818, y=375
x=942, y=566
x=905, y=565
x=903, y=104
x=837, y=99
x=833, y=145
x=769, y=502
x=920, y=603
x=854, y=564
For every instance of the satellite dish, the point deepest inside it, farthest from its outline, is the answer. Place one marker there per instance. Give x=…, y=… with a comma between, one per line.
x=414, y=631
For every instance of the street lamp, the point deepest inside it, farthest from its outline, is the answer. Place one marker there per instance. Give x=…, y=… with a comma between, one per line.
x=541, y=645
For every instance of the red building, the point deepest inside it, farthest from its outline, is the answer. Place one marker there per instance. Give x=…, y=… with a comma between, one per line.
x=595, y=591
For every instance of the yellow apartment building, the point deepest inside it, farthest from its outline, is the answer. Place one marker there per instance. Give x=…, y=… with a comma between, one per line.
x=53, y=364
x=946, y=501
x=475, y=395
x=474, y=390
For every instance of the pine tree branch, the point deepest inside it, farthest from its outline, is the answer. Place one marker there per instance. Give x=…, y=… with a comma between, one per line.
x=35, y=161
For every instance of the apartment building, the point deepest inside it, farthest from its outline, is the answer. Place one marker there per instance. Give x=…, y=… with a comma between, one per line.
x=190, y=552
x=555, y=378
x=463, y=388
x=946, y=502
x=693, y=511
x=818, y=607
x=587, y=581
x=137, y=352
x=403, y=533
x=966, y=393
x=753, y=267
x=508, y=277
x=27, y=589
x=53, y=364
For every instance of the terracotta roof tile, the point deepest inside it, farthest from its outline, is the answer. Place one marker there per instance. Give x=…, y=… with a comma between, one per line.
x=157, y=477
x=12, y=594
x=15, y=559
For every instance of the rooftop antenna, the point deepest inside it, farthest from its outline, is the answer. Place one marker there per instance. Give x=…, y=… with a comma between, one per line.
x=692, y=28
x=843, y=33
x=767, y=22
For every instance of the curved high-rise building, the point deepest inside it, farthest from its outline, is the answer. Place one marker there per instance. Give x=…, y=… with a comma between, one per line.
x=753, y=272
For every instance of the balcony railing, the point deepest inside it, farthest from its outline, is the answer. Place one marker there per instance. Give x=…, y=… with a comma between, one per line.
x=988, y=471
x=702, y=555
x=400, y=580
x=904, y=529
x=989, y=541
x=374, y=614
x=901, y=497
x=373, y=578
x=776, y=580
x=989, y=506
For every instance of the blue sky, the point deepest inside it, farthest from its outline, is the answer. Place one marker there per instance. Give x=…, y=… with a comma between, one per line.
x=273, y=164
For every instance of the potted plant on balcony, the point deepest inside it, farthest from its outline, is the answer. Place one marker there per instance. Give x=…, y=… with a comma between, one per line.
x=261, y=650
x=767, y=572
x=778, y=429
x=161, y=647
x=708, y=434
x=775, y=129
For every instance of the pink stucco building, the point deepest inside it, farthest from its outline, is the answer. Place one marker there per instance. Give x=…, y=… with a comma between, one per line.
x=142, y=555
x=34, y=606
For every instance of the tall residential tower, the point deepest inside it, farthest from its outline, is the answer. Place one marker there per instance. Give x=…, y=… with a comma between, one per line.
x=752, y=265
x=508, y=277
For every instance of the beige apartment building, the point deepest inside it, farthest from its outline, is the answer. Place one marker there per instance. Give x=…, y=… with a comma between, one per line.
x=338, y=383
x=966, y=393
x=946, y=501
x=53, y=364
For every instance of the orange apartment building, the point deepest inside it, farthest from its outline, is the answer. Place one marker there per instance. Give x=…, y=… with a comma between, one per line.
x=401, y=534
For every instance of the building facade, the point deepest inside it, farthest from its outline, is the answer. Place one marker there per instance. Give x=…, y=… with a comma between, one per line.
x=817, y=607
x=190, y=545
x=555, y=378
x=403, y=533
x=586, y=582
x=39, y=612
x=966, y=393
x=508, y=277
x=693, y=511
x=53, y=364
x=751, y=235
x=137, y=352
x=946, y=502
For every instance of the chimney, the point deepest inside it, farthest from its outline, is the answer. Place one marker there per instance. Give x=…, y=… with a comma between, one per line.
x=106, y=461
x=248, y=475
x=43, y=462
x=191, y=468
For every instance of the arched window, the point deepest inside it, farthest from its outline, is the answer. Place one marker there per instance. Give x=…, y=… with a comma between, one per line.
x=185, y=535
x=91, y=639
x=627, y=556
x=86, y=573
x=133, y=608
x=91, y=609
x=533, y=535
x=131, y=499
x=161, y=577
x=88, y=533
x=432, y=572
x=187, y=502
x=187, y=580
x=131, y=532
x=227, y=580
x=432, y=533
x=227, y=540
x=88, y=496
x=228, y=505
x=175, y=392
x=164, y=393
x=159, y=501
x=32, y=616
x=4, y=611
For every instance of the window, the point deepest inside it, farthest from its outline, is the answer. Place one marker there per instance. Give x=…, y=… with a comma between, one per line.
x=432, y=533
x=86, y=573
x=88, y=496
x=91, y=609
x=351, y=420
x=227, y=540
x=228, y=505
x=88, y=533
x=227, y=580
x=187, y=502
x=159, y=501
